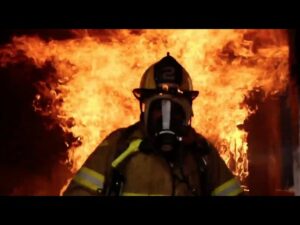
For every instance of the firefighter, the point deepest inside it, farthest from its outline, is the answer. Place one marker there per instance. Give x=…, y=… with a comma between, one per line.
x=161, y=155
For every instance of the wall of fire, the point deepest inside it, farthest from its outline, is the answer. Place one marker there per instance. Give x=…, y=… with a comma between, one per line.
x=26, y=162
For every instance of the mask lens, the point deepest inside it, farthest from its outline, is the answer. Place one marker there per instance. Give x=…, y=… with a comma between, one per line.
x=165, y=115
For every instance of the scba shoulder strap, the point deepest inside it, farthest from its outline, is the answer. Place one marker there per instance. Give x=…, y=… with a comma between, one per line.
x=124, y=151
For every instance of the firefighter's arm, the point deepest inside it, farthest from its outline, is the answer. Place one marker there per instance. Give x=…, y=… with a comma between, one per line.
x=91, y=178
x=86, y=182
x=221, y=180
x=75, y=189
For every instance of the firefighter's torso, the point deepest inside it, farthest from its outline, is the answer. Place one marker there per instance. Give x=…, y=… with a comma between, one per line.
x=151, y=174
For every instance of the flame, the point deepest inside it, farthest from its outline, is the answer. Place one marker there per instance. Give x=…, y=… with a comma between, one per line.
x=97, y=72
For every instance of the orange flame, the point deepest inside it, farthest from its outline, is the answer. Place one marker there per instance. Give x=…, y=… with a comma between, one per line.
x=97, y=75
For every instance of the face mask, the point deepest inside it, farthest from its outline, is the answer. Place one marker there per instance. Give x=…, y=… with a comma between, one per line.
x=166, y=121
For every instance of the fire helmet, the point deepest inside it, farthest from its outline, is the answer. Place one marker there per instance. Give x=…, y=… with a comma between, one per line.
x=166, y=75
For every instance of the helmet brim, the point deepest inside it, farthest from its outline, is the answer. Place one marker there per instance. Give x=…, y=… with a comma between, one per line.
x=143, y=93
